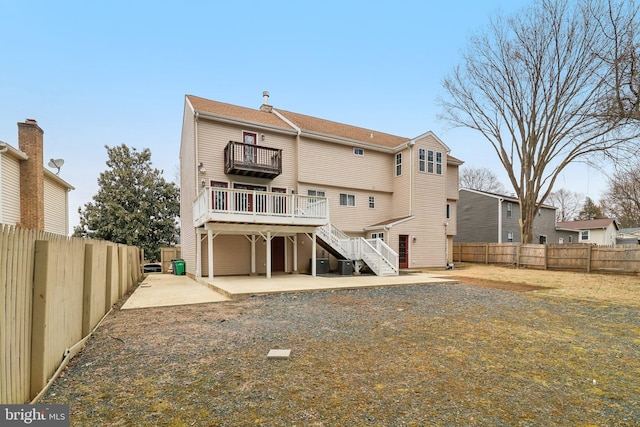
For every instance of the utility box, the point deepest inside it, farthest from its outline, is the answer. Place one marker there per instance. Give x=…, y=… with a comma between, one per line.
x=345, y=267
x=322, y=265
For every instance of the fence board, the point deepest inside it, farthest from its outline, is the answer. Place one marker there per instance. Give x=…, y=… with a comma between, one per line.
x=624, y=259
x=41, y=309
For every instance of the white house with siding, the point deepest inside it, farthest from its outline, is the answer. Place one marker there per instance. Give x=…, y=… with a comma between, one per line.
x=267, y=190
x=31, y=196
x=599, y=231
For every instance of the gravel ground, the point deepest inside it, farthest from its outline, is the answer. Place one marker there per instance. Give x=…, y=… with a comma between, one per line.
x=433, y=355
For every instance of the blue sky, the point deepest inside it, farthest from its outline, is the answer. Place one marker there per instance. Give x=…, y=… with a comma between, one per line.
x=105, y=73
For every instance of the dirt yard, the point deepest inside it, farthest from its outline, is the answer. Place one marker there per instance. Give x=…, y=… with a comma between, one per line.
x=504, y=347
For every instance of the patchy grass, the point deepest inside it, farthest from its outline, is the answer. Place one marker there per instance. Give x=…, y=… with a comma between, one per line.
x=609, y=288
x=437, y=355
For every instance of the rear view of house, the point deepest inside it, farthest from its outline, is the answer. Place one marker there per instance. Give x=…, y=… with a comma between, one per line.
x=30, y=195
x=267, y=190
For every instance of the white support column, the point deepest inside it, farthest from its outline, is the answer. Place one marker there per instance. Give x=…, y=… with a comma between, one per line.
x=210, y=253
x=268, y=254
x=295, y=253
x=313, y=254
x=198, y=254
x=253, y=254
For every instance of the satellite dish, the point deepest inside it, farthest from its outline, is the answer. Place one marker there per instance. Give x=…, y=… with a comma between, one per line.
x=56, y=163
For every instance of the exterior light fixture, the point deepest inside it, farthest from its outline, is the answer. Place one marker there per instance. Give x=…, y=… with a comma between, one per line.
x=201, y=168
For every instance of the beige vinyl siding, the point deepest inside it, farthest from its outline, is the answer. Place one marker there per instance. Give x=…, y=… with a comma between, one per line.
x=429, y=208
x=352, y=219
x=213, y=138
x=10, y=190
x=188, y=190
x=452, y=228
x=56, y=216
x=335, y=165
x=402, y=184
x=452, y=182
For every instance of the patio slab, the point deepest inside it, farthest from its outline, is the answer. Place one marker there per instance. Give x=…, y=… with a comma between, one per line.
x=244, y=286
x=161, y=290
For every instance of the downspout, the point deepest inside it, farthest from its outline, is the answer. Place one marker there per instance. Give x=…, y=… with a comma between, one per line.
x=195, y=150
x=500, y=200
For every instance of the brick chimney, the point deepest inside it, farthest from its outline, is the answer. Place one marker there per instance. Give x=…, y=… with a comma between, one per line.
x=30, y=141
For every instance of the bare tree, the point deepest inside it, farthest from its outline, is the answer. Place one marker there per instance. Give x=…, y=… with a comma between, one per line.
x=482, y=179
x=567, y=202
x=622, y=199
x=534, y=86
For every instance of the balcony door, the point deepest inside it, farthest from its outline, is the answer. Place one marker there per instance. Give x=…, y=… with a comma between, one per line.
x=250, y=139
x=246, y=203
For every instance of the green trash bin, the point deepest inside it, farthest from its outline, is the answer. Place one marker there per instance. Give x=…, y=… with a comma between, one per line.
x=178, y=266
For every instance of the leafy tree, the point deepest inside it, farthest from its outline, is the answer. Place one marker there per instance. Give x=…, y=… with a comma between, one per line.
x=537, y=87
x=590, y=211
x=134, y=205
x=482, y=179
x=567, y=202
x=622, y=199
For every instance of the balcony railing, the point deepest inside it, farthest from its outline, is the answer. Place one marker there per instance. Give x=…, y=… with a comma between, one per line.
x=215, y=204
x=252, y=160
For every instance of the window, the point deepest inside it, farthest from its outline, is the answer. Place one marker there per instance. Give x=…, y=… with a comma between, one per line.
x=584, y=235
x=570, y=239
x=430, y=161
x=543, y=240
x=358, y=152
x=509, y=210
x=347, y=199
x=448, y=210
x=398, y=164
x=561, y=240
x=422, y=160
x=439, y=163
x=316, y=193
x=377, y=236
x=509, y=236
x=372, y=202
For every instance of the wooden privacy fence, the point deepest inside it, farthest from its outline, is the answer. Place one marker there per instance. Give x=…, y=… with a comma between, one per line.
x=54, y=291
x=623, y=259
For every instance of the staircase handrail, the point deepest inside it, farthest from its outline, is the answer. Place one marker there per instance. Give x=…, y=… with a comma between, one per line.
x=378, y=255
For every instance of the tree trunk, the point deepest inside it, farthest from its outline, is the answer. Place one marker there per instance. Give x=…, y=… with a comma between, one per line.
x=527, y=216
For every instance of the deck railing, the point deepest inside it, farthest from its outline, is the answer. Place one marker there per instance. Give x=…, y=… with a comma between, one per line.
x=224, y=204
x=252, y=160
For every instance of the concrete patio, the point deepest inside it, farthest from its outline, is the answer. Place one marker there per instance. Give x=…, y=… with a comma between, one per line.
x=159, y=290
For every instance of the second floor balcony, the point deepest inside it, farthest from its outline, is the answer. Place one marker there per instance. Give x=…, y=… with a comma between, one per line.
x=252, y=160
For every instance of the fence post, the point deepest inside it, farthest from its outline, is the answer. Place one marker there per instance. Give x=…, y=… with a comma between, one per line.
x=589, y=258
x=486, y=253
x=546, y=254
x=518, y=255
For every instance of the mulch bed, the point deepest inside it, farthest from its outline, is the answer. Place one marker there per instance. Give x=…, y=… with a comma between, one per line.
x=441, y=355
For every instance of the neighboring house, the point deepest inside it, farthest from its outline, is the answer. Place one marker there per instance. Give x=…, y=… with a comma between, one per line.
x=598, y=231
x=30, y=195
x=490, y=217
x=628, y=236
x=267, y=190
